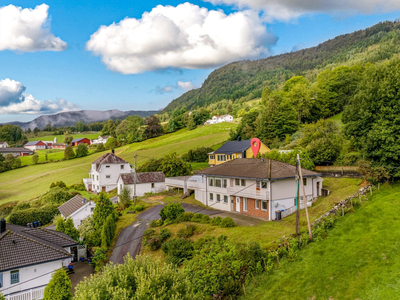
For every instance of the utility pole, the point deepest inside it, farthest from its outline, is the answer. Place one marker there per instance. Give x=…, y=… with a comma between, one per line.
x=304, y=197
x=297, y=199
x=134, y=183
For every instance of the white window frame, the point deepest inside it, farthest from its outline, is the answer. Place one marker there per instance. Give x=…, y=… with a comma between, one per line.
x=305, y=182
x=218, y=198
x=237, y=181
x=264, y=183
x=211, y=181
x=16, y=278
x=257, y=204
x=221, y=157
x=212, y=157
x=218, y=182
x=258, y=184
x=226, y=199
x=244, y=204
x=262, y=205
x=224, y=183
x=211, y=197
x=91, y=209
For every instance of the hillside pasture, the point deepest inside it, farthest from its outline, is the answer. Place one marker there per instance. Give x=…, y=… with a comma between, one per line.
x=46, y=137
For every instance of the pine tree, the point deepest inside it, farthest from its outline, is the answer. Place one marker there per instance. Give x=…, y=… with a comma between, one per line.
x=59, y=287
x=70, y=230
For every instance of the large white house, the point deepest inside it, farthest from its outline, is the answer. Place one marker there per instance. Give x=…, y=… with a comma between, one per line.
x=102, y=139
x=3, y=144
x=35, y=145
x=28, y=257
x=104, y=173
x=250, y=186
x=146, y=182
x=77, y=208
x=220, y=119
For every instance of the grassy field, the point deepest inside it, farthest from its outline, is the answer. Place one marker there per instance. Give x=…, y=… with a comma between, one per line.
x=358, y=260
x=93, y=135
x=29, y=182
x=52, y=154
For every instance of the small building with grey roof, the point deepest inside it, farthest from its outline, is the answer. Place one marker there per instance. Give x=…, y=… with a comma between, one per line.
x=146, y=182
x=77, y=208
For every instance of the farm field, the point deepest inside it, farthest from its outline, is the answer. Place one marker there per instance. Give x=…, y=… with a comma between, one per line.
x=31, y=181
x=358, y=260
x=52, y=154
x=90, y=136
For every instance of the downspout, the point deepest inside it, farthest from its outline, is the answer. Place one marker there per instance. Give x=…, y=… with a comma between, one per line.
x=270, y=189
x=206, y=192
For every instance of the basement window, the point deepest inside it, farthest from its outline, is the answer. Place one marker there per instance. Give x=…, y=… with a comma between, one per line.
x=257, y=204
x=107, y=166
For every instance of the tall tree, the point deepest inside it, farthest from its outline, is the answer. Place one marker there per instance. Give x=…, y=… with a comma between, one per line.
x=69, y=153
x=79, y=126
x=103, y=209
x=153, y=128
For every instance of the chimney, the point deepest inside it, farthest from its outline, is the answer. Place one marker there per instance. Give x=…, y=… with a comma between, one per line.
x=239, y=138
x=112, y=151
x=2, y=225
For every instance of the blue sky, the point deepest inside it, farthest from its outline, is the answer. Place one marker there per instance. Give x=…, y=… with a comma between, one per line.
x=81, y=78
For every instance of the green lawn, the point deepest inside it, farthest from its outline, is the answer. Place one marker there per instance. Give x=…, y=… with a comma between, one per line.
x=60, y=138
x=358, y=260
x=199, y=165
x=30, y=182
x=52, y=154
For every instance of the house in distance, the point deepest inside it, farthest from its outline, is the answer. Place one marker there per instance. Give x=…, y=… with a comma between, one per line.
x=76, y=142
x=77, y=208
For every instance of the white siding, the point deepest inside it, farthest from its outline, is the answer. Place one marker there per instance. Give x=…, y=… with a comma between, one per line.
x=107, y=176
x=78, y=216
x=142, y=188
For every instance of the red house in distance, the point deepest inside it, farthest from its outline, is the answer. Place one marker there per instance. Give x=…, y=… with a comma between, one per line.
x=76, y=142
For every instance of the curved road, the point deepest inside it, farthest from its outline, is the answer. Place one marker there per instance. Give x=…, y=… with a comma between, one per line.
x=130, y=239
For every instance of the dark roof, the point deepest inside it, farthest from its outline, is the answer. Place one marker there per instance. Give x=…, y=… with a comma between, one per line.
x=233, y=147
x=72, y=205
x=32, y=143
x=255, y=168
x=2, y=142
x=109, y=158
x=77, y=140
x=15, y=150
x=145, y=177
x=28, y=246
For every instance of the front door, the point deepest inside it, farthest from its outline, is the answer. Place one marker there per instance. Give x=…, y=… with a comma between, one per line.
x=317, y=189
x=238, y=204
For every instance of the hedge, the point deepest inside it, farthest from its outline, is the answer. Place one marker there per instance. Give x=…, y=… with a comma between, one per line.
x=44, y=214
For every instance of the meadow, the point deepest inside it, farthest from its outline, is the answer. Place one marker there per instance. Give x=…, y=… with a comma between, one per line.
x=52, y=155
x=42, y=136
x=29, y=182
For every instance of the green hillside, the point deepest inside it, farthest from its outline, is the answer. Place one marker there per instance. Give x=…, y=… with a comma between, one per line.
x=358, y=260
x=248, y=78
x=29, y=182
x=60, y=138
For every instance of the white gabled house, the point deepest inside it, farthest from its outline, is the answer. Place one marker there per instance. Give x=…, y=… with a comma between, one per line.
x=77, y=208
x=220, y=119
x=3, y=145
x=35, y=145
x=104, y=173
x=102, y=139
x=28, y=257
x=250, y=186
x=146, y=182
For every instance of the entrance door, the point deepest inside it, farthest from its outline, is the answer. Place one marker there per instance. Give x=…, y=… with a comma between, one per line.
x=317, y=189
x=238, y=204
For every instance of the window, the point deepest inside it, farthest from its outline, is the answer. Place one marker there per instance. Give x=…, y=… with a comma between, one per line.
x=221, y=158
x=212, y=157
x=264, y=184
x=97, y=177
x=120, y=186
x=245, y=204
x=257, y=184
x=239, y=156
x=14, y=276
x=211, y=182
x=225, y=199
x=237, y=181
x=1, y=280
x=305, y=181
x=81, y=222
x=122, y=167
x=257, y=204
x=107, y=166
x=92, y=209
x=211, y=197
x=218, y=182
x=152, y=185
x=243, y=182
x=108, y=176
x=264, y=205
x=218, y=198
x=224, y=183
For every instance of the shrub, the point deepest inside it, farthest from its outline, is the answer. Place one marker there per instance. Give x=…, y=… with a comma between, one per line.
x=59, y=184
x=185, y=217
x=77, y=187
x=227, y=222
x=197, y=218
x=57, y=195
x=45, y=214
x=82, y=150
x=99, y=259
x=153, y=239
x=35, y=159
x=7, y=208
x=216, y=221
x=59, y=287
x=156, y=223
x=171, y=211
x=139, y=207
x=205, y=219
x=186, y=232
x=178, y=250
x=100, y=147
x=22, y=206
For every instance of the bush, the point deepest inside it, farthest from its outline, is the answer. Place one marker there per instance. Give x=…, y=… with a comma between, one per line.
x=100, y=147
x=197, y=218
x=22, y=206
x=82, y=150
x=59, y=184
x=216, y=221
x=205, y=219
x=7, y=208
x=178, y=250
x=185, y=217
x=45, y=214
x=171, y=211
x=57, y=195
x=156, y=223
x=153, y=239
x=139, y=207
x=35, y=159
x=77, y=187
x=227, y=222
x=59, y=287
x=186, y=232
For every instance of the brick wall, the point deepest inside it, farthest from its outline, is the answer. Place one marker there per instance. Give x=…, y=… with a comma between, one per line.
x=251, y=208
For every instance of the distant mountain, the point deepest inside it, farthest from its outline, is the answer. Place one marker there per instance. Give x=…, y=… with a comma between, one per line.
x=248, y=78
x=70, y=118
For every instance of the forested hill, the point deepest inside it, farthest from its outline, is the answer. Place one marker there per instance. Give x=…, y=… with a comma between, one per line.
x=248, y=78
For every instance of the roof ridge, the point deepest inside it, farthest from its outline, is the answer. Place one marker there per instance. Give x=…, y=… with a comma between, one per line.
x=77, y=195
x=55, y=232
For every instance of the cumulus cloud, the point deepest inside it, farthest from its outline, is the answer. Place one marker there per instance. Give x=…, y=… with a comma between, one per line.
x=27, y=29
x=164, y=89
x=188, y=85
x=285, y=10
x=185, y=36
x=13, y=100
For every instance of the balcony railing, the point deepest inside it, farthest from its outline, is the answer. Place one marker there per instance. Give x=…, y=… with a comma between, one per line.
x=33, y=294
x=250, y=192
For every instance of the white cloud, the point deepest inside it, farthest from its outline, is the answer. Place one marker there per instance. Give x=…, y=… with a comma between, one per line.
x=285, y=10
x=27, y=29
x=164, y=89
x=13, y=100
x=188, y=85
x=185, y=36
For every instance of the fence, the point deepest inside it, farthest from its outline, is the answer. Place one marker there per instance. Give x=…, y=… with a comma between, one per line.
x=33, y=294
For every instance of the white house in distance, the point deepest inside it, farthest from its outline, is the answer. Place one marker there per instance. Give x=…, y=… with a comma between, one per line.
x=102, y=139
x=220, y=119
x=35, y=145
x=250, y=186
x=146, y=182
x=3, y=145
x=104, y=173
x=28, y=257
x=77, y=208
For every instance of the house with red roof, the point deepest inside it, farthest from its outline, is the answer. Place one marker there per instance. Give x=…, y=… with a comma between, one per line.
x=35, y=145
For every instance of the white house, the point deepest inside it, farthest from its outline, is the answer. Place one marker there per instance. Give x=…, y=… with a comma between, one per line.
x=28, y=257
x=3, y=144
x=250, y=186
x=35, y=145
x=104, y=173
x=220, y=119
x=77, y=208
x=146, y=182
x=102, y=139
